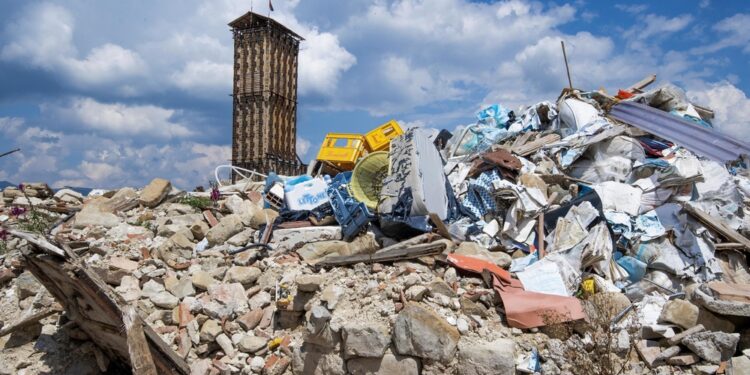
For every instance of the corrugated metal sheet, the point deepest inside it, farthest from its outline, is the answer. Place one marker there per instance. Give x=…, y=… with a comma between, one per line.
x=703, y=141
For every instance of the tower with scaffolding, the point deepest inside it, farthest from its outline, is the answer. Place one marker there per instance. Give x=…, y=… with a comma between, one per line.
x=264, y=118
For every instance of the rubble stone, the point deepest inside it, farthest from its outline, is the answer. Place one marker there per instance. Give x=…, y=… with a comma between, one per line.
x=226, y=345
x=293, y=239
x=228, y=226
x=95, y=213
x=202, y=280
x=243, y=275
x=683, y=360
x=164, y=299
x=210, y=330
x=151, y=288
x=416, y=293
x=242, y=238
x=474, y=249
x=676, y=339
x=182, y=288
x=27, y=285
x=155, y=192
x=741, y=365
x=487, y=358
x=705, y=369
x=309, y=283
x=713, y=322
x=129, y=289
x=121, y=263
x=721, y=307
x=225, y=300
x=200, y=367
x=680, y=312
x=250, y=320
x=245, y=209
x=331, y=295
x=421, y=332
x=313, y=360
x=251, y=344
x=387, y=365
x=713, y=347
x=649, y=351
x=259, y=300
x=365, y=340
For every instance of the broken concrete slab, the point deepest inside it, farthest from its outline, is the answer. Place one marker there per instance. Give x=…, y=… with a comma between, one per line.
x=713, y=347
x=420, y=332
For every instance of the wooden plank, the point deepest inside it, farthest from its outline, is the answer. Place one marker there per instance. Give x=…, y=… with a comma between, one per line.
x=728, y=246
x=39, y=241
x=640, y=85
x=719, y=226
x=440, y=225
x=531, y=147
x=407, y=253
x=540, y=233
x=140, y=355
x=98, y=311
x=29, y=320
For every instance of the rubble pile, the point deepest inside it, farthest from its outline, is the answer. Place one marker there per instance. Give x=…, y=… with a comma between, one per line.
x=564, y=238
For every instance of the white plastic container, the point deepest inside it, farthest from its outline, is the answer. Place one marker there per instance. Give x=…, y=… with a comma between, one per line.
x=307, y=195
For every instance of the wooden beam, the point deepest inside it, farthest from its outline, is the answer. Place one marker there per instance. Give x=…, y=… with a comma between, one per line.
x=719, y=226
x=39, y=241
x=640, y=85
x=394, y=255
x=29, y=320
x=140, y=354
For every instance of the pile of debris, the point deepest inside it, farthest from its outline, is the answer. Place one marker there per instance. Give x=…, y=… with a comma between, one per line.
x=596, y=234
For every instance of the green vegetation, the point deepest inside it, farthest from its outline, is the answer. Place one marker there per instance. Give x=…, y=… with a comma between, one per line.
x=200, y=203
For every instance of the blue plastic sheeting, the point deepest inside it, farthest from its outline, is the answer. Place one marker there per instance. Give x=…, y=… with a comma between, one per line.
x=702, y=141
x=494, y=115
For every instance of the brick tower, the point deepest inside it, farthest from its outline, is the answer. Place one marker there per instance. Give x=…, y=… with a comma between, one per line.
x=264, y=114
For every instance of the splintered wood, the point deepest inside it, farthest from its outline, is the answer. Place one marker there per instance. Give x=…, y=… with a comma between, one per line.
x=99, y=311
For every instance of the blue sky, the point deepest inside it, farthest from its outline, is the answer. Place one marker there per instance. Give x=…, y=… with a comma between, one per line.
x=113, y=93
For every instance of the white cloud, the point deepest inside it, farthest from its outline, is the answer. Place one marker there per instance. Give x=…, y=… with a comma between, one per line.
x=104, y=64
x=303, y=147
x=735, y=32
x=43, y=36
x=412, y=124
x=322, y=60
x=704, y=3
x=117, y=118
x=731, y=106
x=10, y=125
x=632, y=8
x=655, y=27
x=65, y=158
x=204, y=78
x=100, y=173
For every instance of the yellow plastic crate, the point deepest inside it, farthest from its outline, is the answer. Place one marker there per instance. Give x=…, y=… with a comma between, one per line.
x=342, y=150
x=379, y=139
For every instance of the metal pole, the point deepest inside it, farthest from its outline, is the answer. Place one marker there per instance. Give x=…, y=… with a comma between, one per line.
x=567, y=68
x=10, y=152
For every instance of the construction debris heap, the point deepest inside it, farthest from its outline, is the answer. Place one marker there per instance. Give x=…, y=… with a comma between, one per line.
x=591, y=235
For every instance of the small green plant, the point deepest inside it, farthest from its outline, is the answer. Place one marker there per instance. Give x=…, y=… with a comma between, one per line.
x=35, y=222
x=32, y=220
x=200, y=203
